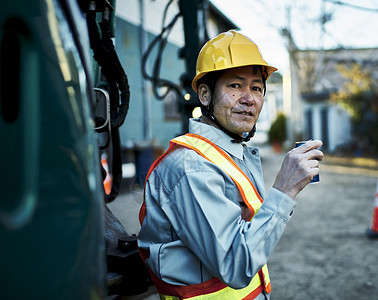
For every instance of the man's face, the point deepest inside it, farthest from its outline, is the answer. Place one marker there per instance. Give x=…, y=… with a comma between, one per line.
x=238, y=99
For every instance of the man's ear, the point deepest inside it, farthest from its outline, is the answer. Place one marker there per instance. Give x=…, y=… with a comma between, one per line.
x=204, y=94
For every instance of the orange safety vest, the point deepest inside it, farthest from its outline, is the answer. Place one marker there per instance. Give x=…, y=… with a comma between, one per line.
x=212, y=289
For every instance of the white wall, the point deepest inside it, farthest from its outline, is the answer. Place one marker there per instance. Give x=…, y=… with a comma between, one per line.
x=340, y=128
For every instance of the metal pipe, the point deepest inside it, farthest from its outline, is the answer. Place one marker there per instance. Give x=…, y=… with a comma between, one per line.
x=147, y=131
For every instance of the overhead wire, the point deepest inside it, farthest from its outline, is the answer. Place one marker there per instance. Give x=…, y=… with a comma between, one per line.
x=374, y=10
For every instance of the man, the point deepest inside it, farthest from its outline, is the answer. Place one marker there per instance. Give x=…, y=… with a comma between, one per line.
x=208, y=227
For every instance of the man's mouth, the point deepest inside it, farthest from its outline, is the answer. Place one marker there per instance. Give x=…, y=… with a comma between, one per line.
x=245, y=113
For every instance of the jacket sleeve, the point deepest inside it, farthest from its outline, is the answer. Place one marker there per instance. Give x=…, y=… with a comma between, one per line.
x=210, y=225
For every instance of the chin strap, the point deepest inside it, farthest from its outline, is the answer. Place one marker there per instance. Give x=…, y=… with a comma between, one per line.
x=247, y=135
x=235, y=138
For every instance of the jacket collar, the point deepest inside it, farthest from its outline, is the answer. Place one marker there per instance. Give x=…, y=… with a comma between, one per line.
x=217, y=136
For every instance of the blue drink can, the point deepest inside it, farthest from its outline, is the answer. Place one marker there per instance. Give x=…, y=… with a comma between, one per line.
x=316, y=177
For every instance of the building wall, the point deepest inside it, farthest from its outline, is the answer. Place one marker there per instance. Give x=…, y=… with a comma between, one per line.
x=128, y=47
x=327, y=122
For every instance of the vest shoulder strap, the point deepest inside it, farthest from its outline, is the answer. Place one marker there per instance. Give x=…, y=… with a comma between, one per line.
x=215, y=154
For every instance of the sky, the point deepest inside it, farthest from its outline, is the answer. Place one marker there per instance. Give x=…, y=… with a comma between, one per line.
x=349, y=24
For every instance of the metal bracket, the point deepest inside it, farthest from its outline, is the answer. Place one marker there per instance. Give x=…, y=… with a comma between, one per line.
x=106, y=127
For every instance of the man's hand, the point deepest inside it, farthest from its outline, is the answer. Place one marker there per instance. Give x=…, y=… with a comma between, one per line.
x=298, y=168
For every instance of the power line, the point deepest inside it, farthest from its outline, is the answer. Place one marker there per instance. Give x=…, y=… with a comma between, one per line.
x=375, y=10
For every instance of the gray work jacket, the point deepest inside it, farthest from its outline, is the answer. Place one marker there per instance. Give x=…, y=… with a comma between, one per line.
x=193, y=227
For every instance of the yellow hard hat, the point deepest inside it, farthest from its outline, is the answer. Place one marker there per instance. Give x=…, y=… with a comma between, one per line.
x=228, y=50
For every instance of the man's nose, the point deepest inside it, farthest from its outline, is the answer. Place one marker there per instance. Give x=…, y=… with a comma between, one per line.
x=247, y=98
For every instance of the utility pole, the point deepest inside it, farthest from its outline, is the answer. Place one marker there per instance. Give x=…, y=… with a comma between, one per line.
x=147, y=130
x=293, y=103
x=194, y=20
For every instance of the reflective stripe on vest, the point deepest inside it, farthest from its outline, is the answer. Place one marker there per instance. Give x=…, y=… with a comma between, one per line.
x=252, y=199
x=249, y=292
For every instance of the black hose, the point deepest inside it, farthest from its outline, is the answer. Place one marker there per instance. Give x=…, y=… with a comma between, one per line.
x=119, y=90
x=158, y=82
x=107, y=58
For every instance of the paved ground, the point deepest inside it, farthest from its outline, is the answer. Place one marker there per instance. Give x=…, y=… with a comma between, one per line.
x=324, y=252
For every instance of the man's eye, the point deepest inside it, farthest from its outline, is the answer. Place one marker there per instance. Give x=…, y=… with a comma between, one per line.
x=234, y=85
x=257, y=89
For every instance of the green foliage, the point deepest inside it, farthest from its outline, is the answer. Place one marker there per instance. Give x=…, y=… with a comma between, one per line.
x=277, y=131
x=359, y=92
x=359, y=96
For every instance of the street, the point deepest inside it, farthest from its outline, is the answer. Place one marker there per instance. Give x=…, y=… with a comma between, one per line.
x=324, y=252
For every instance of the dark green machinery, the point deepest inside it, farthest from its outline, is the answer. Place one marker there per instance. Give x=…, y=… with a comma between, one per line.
x=55, y=231
x=51, y=208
